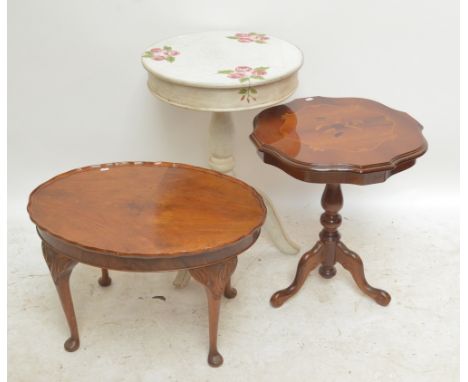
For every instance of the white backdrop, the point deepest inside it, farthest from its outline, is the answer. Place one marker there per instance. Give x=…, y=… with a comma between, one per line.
x=78, y=96
x=77, y=89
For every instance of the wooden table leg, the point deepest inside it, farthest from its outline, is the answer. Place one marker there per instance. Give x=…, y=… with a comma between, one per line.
x=332, y=202
x=353, y=263
x=328, y=251
x=216, y=279
x=104, y=280
x=60, y=268
x=309, y=261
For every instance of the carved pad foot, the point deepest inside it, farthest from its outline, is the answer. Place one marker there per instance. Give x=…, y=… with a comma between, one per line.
x=353, y=263
x=309, y=261
x=215, y=359
x=229, y=291
x=72, y=344
x=105, y=280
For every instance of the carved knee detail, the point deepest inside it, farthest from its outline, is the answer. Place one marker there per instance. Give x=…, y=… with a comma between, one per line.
x=59, y=265
x=215, y=277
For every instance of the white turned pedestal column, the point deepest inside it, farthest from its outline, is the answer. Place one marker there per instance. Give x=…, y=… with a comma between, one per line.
x=221, y=139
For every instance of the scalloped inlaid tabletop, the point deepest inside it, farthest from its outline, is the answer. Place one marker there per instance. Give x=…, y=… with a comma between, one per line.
x=222, y=59
x=319, y=134
x=147, y=209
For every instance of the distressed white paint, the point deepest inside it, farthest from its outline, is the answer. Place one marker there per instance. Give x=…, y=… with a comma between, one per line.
x=202, y=55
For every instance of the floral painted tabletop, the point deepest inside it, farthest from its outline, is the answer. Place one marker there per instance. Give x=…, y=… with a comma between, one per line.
x=223, y=59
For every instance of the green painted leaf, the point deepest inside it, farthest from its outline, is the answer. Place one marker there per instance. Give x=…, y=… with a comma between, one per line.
x=253, y=90
x=243, y=91
x=243, y=79
x=170, y=59
x=167, y=48
x=228, y=71
x=258, y=77
x=147, y=54
x=260, y=42
x=262, y=68
x=232, y=37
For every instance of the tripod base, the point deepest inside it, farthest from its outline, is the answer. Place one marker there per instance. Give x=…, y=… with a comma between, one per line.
x=327, y=252
x=347, y=258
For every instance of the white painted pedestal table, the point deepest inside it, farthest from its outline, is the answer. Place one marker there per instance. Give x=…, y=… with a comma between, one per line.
x=222, y=72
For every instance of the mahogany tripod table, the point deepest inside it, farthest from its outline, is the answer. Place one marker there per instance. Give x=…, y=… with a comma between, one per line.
x=335, y=141
x=145, y=217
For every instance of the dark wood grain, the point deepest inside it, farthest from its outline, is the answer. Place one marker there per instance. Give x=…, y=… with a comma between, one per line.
x=144, y=216
x=144, y=209
x=338, y=140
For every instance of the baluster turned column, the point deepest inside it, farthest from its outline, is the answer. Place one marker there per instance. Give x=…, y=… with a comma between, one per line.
x=332, y=202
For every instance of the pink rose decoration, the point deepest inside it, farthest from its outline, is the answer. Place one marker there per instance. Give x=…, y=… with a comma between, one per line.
x=162, y=54
x=243, y=69
x=246, y=74
x=259, y=38
x=236, y=75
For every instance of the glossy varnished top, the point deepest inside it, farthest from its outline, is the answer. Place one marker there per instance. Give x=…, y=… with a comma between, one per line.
x=318, y=135
x=147, y=209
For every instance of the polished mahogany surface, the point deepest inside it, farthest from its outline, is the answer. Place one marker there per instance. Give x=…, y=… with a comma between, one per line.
x=147, y=209
x=338, y=134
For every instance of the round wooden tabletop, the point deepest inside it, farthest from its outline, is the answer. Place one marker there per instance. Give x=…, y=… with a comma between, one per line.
x=147, y=216
x=222, y=70
x=338, y=140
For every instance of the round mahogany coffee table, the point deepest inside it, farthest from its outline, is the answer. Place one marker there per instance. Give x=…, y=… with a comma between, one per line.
x=334, y=141
x=145, y=217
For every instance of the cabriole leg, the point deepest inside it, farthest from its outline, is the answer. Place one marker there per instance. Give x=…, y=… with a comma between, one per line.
x=60, y=268
x=216, y=279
